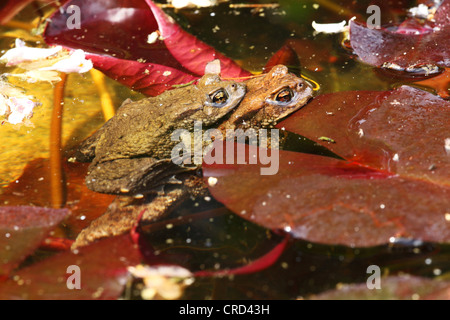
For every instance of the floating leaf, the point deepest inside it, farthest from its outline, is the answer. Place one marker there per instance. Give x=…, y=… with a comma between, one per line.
x=393, y=182
x=442, y=15
x=192, y=53
x=379, y=46
x=103, y=273
x=148, y=78
x=405, y=287
x=136, y=44
x=112, y=28
x=9, y=8
x=402, y=131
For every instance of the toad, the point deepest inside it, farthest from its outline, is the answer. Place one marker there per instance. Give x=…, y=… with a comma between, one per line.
x=125, y=152
x=269, y=98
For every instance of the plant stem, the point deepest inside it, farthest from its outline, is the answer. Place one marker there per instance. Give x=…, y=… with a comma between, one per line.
x=19, y=25
x=254, y=5
x=105, y=98
x=56, y=170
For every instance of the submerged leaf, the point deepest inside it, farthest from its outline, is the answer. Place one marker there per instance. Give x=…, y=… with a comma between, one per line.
x=22, y=229
x=286, y=56
x=32, y=188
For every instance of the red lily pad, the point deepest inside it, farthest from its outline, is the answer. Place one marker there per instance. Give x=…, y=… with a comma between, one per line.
x=10, y=8
x=136, y=75
x=22, y=229
x=115, y=34
x=402, y=131
x=405, y=287
x=112, y=28
x=393, y=180
x=192, y=53
x=103, y=273
x=409, y=45
x=442, y=15
x=378, y=46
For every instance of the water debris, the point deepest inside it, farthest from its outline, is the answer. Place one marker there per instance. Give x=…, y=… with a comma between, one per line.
x=43, y=63
x=152, y=37
x=75, y=62
x=329, y=27
x=326, y=139
x=15, y=106
x=426, y=69
x=193, y=3
x=183, y=84
x=33, y=76
x=421, y=11
x=447, y=146
x=21, y=53
x=155, y=35
x=361, y=133
x=166, y=282
x=212, y=181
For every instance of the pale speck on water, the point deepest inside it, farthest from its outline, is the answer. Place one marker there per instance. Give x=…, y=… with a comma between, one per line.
x=212, y=181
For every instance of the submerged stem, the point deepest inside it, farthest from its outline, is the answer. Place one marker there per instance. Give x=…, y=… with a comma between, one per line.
x=56, y=171
x=19, y=25
x=105, y=98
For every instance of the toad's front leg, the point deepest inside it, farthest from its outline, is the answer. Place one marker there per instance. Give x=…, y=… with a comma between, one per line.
x=123, y=213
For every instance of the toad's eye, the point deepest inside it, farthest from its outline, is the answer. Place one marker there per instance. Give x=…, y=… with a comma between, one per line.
x=285, y=95
x=219, y=97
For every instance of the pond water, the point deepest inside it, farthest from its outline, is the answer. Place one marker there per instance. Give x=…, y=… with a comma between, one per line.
x=208, y=236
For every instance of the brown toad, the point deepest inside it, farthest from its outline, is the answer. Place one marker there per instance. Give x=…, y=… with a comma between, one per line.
x=269, y=98
x=125, y=152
